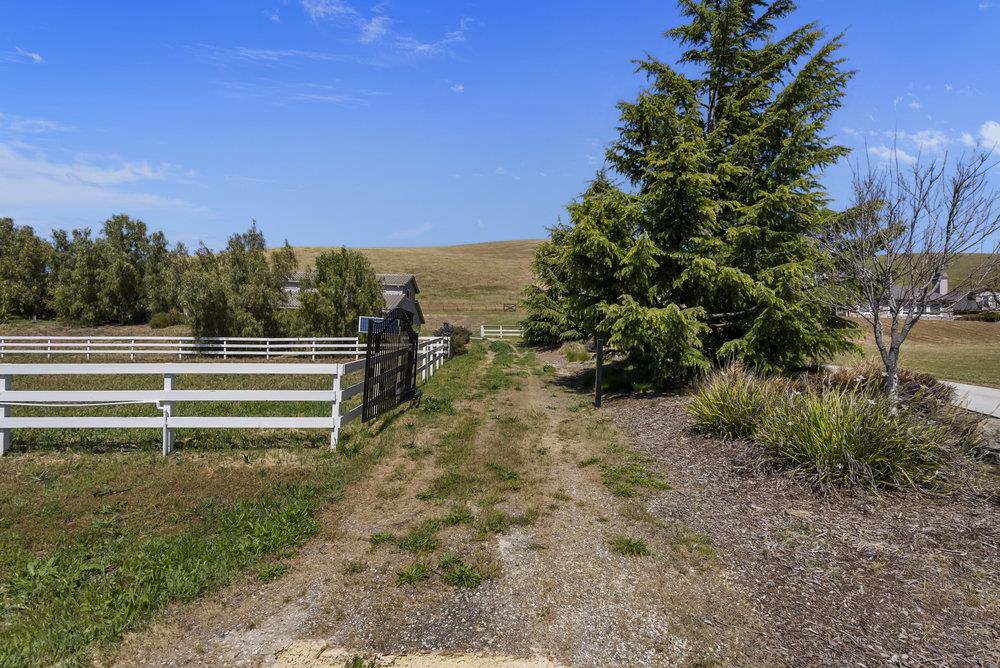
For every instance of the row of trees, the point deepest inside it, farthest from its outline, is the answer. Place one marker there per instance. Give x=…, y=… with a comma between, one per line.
x=126, y=275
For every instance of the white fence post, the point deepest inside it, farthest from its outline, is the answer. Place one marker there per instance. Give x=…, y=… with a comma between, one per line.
x=1, y=349
x=131, y=352
x=48, y=349
x=88, y=349
x=482, y=331
x=335, y=411
x=168, y=434
x=5, y=384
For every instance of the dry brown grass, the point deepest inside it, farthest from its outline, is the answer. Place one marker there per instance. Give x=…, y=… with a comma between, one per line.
x=470, y=277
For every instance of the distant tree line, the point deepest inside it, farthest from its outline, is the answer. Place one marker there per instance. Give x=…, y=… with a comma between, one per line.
x=126, y=275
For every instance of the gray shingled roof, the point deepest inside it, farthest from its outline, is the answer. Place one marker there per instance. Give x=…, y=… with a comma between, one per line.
x=398, y=280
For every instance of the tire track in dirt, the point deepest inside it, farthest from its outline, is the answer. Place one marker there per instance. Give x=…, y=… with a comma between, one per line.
x=562, y=595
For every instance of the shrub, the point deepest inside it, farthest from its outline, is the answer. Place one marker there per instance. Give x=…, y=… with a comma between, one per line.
x=989, y=316
x=843, y=437
x=731, y=402
x=459, y=335
x=575, y=352
x=839, y=427
x=170, y=318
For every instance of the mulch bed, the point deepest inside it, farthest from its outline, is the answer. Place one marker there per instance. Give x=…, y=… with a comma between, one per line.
x=836, y=578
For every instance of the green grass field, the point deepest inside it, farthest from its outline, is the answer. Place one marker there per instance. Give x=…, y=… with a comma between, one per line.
x=954, y=350
x=98, y=531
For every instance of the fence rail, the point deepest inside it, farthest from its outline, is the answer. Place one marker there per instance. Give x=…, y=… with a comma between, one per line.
x=499, y=331
x=431, y=353
x=183, y=346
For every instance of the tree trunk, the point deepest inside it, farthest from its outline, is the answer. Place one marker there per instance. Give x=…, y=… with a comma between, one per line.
x=892, y=380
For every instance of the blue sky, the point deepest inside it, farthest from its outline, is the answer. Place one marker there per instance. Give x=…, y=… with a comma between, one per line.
x=404, y=123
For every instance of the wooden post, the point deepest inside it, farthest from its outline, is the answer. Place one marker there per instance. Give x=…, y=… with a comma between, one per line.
x=599, y=374
x=335, y=412
x=5, y=384
x=168, y=434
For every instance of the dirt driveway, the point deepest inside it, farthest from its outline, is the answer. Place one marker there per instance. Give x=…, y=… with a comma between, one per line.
x=526, y=529
x=544, y=508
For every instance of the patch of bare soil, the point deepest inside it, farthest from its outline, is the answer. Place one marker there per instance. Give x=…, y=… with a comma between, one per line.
x=843, y=579
x=555, y=592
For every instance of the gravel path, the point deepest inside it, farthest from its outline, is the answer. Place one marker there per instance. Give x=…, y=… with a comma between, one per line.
x=561, y=596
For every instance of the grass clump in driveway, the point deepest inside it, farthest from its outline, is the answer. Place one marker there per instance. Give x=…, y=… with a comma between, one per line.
x=459, y=574
x=412, y=574
x=835, y=432
x=629, y=547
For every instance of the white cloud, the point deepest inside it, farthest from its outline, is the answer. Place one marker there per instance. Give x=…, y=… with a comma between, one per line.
x=933, y=141
x=274, y=15
x=915, y=104
x=34, y=57
x=989, y=134
x=322, y=9
x=985, y=4
x=374, y=29
x=947, y=88
x=21, y=125
x=258, y=55
x=892, y=154
x=32, y=179
x=458, y=88
x=414, y=45
x=967, y=139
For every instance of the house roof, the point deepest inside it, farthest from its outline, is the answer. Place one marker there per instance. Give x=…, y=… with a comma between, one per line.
x=398, y=280
x=899, y=293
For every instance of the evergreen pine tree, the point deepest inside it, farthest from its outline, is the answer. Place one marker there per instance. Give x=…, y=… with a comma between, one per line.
x=710, y=254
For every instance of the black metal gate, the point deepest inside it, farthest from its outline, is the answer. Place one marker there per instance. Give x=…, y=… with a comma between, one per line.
x=390, y=364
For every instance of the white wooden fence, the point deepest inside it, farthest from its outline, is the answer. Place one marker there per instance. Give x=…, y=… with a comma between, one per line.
x=184, y=346
x=499, y=331
x=432, y=352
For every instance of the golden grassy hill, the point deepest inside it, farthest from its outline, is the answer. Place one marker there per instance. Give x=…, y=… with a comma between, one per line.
x=466, y=283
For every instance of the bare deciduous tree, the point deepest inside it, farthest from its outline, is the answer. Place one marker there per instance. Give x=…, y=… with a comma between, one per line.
x=904, y=228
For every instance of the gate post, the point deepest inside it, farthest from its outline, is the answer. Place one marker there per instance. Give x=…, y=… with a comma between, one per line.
x=335, y=411
x=168, y=434
x=5, y=384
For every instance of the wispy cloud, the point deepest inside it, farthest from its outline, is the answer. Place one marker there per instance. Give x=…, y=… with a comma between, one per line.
x=246, y=54
x=22, y=125
x=374, y=29
x=892, y=154
x=985, y=4
x=324, y=9
x=19, y=55
x=30, y=55
x=282, y=92
x=377, y=27
x=458, y=88
x=30, y=178
x=413, y=45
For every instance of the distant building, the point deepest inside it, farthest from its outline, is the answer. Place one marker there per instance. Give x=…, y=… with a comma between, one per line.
x=398, y=291
x=942, y=303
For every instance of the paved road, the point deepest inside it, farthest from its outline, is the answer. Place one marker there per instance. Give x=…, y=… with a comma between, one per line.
x=985, y=400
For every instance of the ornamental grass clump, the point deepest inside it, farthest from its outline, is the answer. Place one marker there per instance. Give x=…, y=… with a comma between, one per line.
x=731, y=402
x=839, y=428
x=845, y=438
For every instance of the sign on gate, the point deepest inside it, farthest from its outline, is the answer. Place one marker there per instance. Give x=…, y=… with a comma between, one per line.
x=390, y=364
